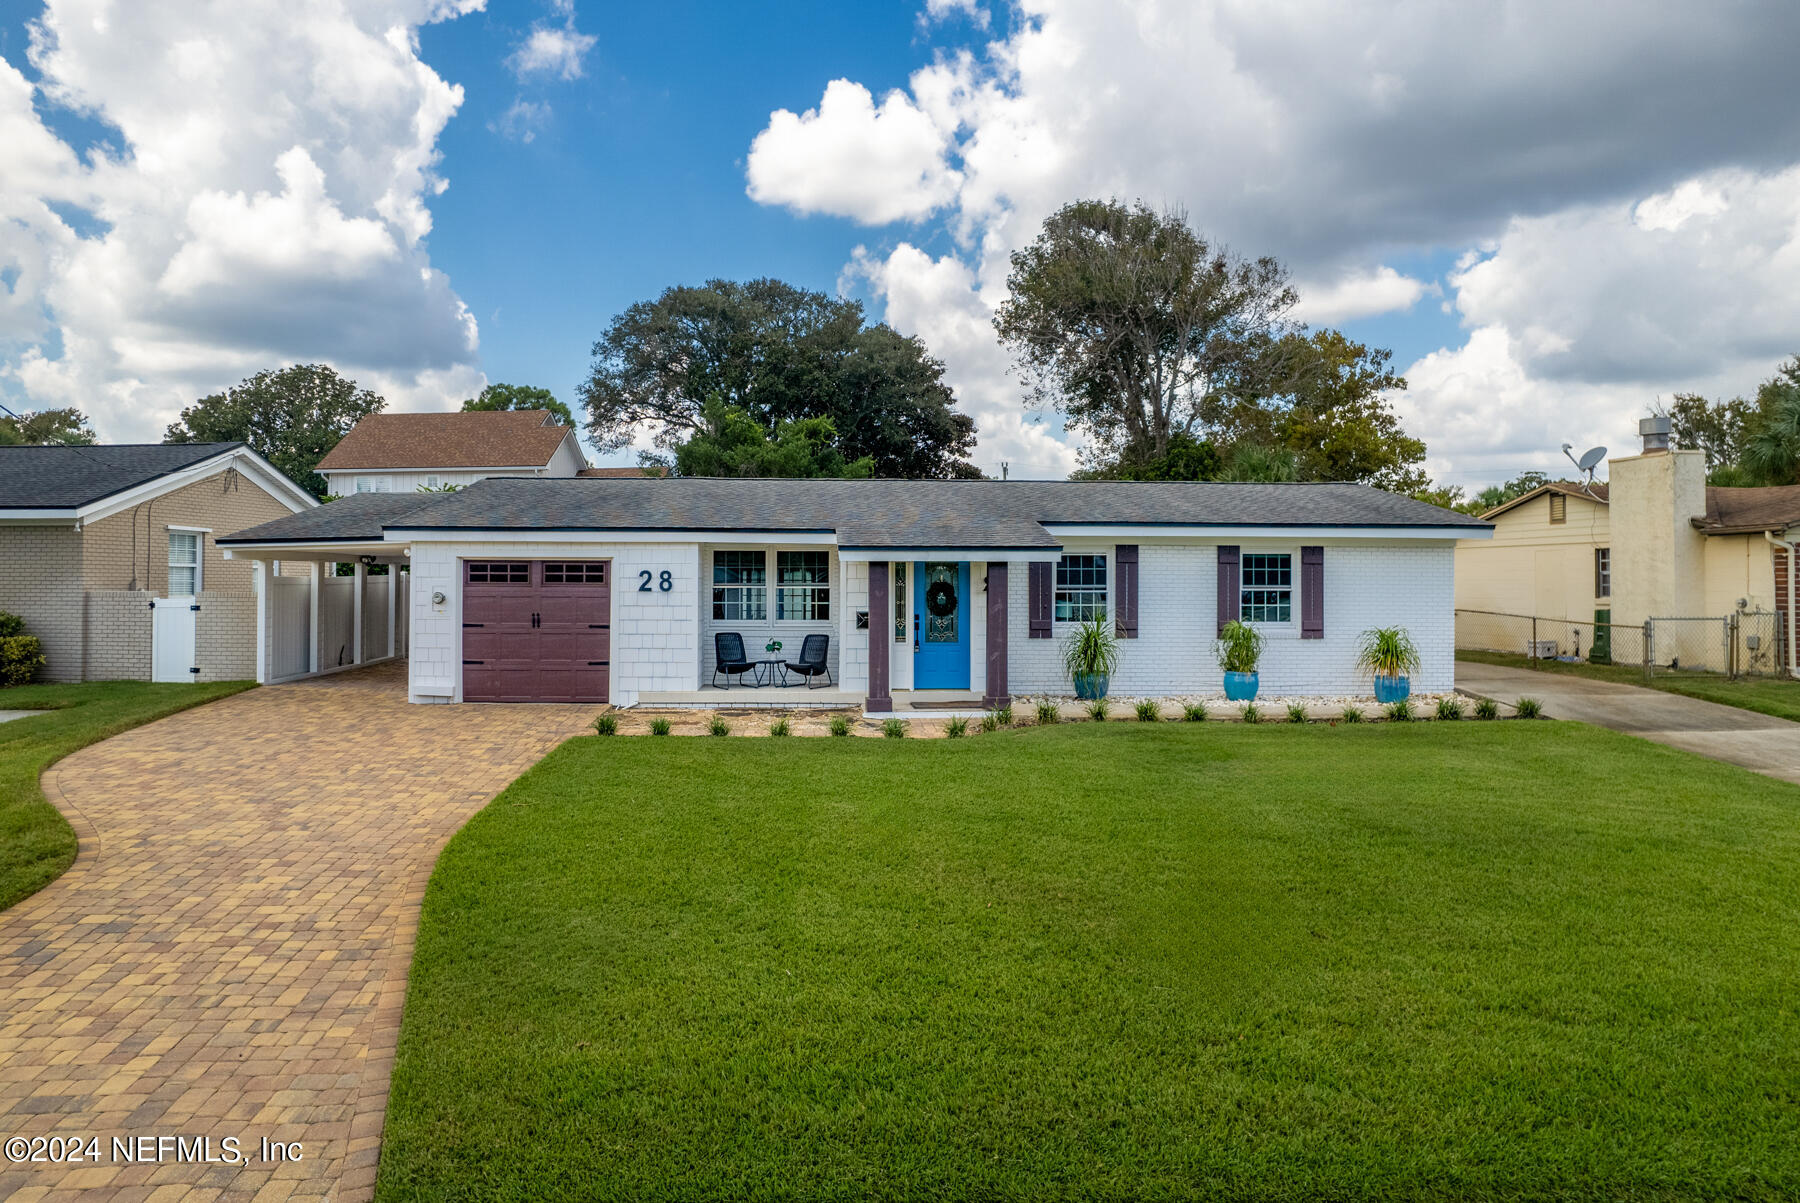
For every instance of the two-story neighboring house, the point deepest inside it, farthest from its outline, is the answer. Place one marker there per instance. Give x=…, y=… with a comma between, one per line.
x=403, y=453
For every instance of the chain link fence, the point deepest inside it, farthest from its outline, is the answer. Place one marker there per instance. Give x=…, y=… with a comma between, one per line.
x=1747, y=643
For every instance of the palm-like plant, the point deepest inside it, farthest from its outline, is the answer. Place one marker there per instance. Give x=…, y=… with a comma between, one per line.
x=1239, y=648
x=1772, y=450
x=1387, y=652
x=1092, y=649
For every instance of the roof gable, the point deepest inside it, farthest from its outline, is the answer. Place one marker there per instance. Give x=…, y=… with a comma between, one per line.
x=1595, y=492
x=514, y=438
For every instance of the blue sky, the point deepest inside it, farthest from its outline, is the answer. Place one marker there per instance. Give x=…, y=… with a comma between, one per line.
x=1547, y=236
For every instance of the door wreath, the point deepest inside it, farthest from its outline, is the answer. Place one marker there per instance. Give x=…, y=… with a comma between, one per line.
x=940, y=599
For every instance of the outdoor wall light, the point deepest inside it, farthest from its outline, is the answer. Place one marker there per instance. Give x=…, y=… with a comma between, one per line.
x=437, y=599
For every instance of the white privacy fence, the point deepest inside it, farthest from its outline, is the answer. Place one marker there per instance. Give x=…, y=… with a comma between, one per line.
x=291, y=622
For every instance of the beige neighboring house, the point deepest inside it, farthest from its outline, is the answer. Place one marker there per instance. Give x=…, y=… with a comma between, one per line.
x=404, y=453
x=1653, y=542
x=111, y=556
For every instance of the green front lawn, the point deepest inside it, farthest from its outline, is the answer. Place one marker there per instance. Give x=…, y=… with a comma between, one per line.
x=36, y=842
x=1777, y=696
x=1481, y=960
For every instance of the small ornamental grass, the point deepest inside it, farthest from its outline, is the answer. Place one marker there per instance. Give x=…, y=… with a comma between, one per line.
x=780, y=727
x=1098, y=709
x=1251, y=713
x=1048, y=713
x=894, y=728
x=1449, y=709
x=1400, y=712
x=840, y=725
x=1147, y=711
x=1487, y=708
x=1003, y=715
x=1528, y=708
x=718, y=726
x=1296, y=712
x=659, y=726
x=1352, y=714
x=990, y=721
x=956, y=728
x=606, y=724
x=1194, y=712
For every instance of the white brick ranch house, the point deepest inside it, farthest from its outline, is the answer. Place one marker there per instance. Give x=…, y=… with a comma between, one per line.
x=927, y=592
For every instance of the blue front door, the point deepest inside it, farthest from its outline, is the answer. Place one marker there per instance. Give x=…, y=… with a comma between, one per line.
x=941, y=616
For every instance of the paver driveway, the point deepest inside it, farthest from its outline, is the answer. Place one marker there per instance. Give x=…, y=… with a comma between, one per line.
x=228, y=955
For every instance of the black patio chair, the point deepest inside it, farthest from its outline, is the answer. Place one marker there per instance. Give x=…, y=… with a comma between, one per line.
x=813, y=662
x=729, y=657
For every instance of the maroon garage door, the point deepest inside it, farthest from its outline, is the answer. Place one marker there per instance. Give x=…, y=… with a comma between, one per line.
x=536, y=630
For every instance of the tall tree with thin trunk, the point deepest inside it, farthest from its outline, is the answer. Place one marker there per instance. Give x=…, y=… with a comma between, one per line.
x=1130, y=325
x=290, y=417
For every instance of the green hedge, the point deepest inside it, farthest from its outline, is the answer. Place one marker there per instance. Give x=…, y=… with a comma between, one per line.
x=21, y=655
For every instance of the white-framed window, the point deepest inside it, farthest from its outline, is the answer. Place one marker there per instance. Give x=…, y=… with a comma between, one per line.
x=803, y=586
x=431, y=482
x=740, y=586
x=372, y=484
x=184, y=563
x=1602, y=572
x=1266, y=587
x=1080, y=588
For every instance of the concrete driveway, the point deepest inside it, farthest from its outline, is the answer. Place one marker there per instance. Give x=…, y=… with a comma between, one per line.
x=1755, y=741
x=228, y=955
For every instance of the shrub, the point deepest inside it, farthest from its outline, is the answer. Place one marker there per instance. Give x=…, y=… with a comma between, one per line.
x=11, y=625
x=659, y=726
x=1194, y=712
x=1449, y=709
x=21, y=658
x=956, y=728
x=1098, y=709
x=894, y=728
x=1487, y=708
x=1147, y=711
x=1401, y=711
x=606, y=724
x=1004, y=715
x=1528, y=708
x=840, y=725
x=1387, y=652
x=1251, y=713
x=1296, y=712
x=1353, y=714
x=718, y=726
x=780, y=727
x=1048, y=713
x=1238, y=648
x=990, y=721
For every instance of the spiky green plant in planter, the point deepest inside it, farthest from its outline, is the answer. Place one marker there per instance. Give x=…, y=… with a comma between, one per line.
x=1390, y=654
x=1090, y=654
x=1238, y=650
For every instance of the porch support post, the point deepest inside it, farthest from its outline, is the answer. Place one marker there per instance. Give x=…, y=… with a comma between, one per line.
x=259, y=579
x=997, y=694
x=880, y=698
x=393, y=587
x=316, y=571
x=356, y=612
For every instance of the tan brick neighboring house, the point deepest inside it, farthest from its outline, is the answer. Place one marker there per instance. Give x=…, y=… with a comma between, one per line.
x=90, y=537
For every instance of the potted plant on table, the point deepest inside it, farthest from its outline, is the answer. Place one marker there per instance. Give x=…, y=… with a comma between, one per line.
x=1090, y=653
x=773, y=647
x=1238, y=650
x=1390, y=654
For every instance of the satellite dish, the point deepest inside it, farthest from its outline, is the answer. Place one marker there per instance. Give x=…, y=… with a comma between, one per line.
x=1590, y=459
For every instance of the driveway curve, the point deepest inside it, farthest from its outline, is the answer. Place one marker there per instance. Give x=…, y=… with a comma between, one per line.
x=228, y=955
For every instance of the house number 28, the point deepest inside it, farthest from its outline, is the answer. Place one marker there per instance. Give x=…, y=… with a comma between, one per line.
x=664, y=581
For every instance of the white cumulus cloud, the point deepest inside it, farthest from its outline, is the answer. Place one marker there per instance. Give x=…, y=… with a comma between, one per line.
x=263, y=199
x=550, y=51
x=1362, y=294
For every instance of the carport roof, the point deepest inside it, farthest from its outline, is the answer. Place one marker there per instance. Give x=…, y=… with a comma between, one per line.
x=864, y=514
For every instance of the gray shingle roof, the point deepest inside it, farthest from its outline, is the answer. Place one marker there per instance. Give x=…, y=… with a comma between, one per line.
x=54, y=478
x=361, y=516
x=876, y=514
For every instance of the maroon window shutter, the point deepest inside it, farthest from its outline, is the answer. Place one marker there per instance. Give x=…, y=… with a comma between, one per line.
x=1228, y=585
x=1125, y=559
x=1312, y=593
x=1041, y=601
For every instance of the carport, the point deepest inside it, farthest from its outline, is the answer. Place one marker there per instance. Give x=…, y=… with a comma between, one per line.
x=313, y=617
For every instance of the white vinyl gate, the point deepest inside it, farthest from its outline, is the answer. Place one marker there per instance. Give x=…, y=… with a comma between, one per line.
x=172, y=644
x=290, y=626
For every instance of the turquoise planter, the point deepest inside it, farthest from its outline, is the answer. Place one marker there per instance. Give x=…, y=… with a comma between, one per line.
x=1392, y=689
x=1089, y=686
x=1240, y=687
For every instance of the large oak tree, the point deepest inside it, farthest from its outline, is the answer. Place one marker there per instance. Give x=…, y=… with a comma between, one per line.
x=776, y=354
x=291, y=417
